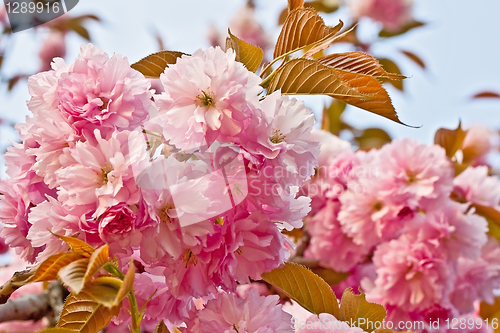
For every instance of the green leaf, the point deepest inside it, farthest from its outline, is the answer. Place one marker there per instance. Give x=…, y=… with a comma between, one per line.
x=305, y=287
x=104, y=290
x=82, y=314
x=373, y=138
x=354, y=307
x=332, y=117
x=391, y=67
x=248, y=54
x=154, y=65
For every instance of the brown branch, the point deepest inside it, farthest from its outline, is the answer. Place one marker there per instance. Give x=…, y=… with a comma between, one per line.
x=26, y=307
x=18, y=280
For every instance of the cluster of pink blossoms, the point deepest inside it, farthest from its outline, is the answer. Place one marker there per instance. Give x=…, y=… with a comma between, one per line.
x=195, y=184
x=406, y=229
x=393, y=14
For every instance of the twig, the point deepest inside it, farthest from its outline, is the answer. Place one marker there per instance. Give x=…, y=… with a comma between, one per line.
x=26, y=307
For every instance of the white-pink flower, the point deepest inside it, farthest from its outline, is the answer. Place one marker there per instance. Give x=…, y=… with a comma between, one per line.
x=208, y=96
x=97, y=174
x=475, y=186
x=231, y=314
x=324, y=323
x=393, y=14
x=54, y=46
x=96, y=91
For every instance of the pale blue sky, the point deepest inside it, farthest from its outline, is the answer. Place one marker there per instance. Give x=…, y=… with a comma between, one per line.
x=460, y=44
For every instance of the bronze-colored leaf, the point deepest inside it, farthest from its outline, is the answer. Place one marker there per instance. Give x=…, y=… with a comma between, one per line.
x=358, y=62
x=128, y=282
x=57, y=330
x=49, y=268
x=104, y=290
x=78, y=245
x=373, y=138
x=82, y=314
x=154, y=65
x=409, y=26
x=73, y=274
x=248, y=54
x=329, y=275
x=491, y=313
x=309, y=77
x=316, y=48
x=486, y=94
x=302, y=27
x=305, y=287
x=450, y=140
x=96, y=261
x=355, y=307
x=332, y=117
x=415, y=58
x=391, y=67
x=294, y=4
x=375, y=98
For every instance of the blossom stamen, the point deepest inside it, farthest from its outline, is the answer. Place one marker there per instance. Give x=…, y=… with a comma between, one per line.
x=277, y=137
x=206, y=100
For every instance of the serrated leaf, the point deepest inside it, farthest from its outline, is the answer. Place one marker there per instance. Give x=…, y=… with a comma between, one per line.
x=305, y=287
x=96, y=261
x=354, y=307
x=294, y=4
x=391, y=67
x=309, y=77
x=450, y=140
x=49, y=268
x=77, y=245
x=316, y=48
x=415, y=58
x=82, y=314
x=154, y=65
x=249, y=55
x=128, y=282
x=104, y=290
x=358, y=62
x=302, y=27
x=72, y=275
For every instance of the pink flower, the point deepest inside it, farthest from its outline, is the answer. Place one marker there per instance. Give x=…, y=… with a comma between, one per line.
x=98, y=174
x=53, y=46
x=393, y=14
x=283, y=137
x=475, y=186
x=477, y=144
x=208, y=96
x=94, y=92
x=477, y=278
x=410, y=275
x=245, y=26
x=329, y=244
x=231, y=314
x=324, y=323
x=415, y=173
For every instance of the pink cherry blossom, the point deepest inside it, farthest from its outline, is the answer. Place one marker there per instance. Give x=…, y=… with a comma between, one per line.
x=208, y=96
x=475, y=186
x=98, y=175
x=231, y=314
x=331, y=146
x=329, y=244
x=97, y=91
x=412, y=275
x=393, y=14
